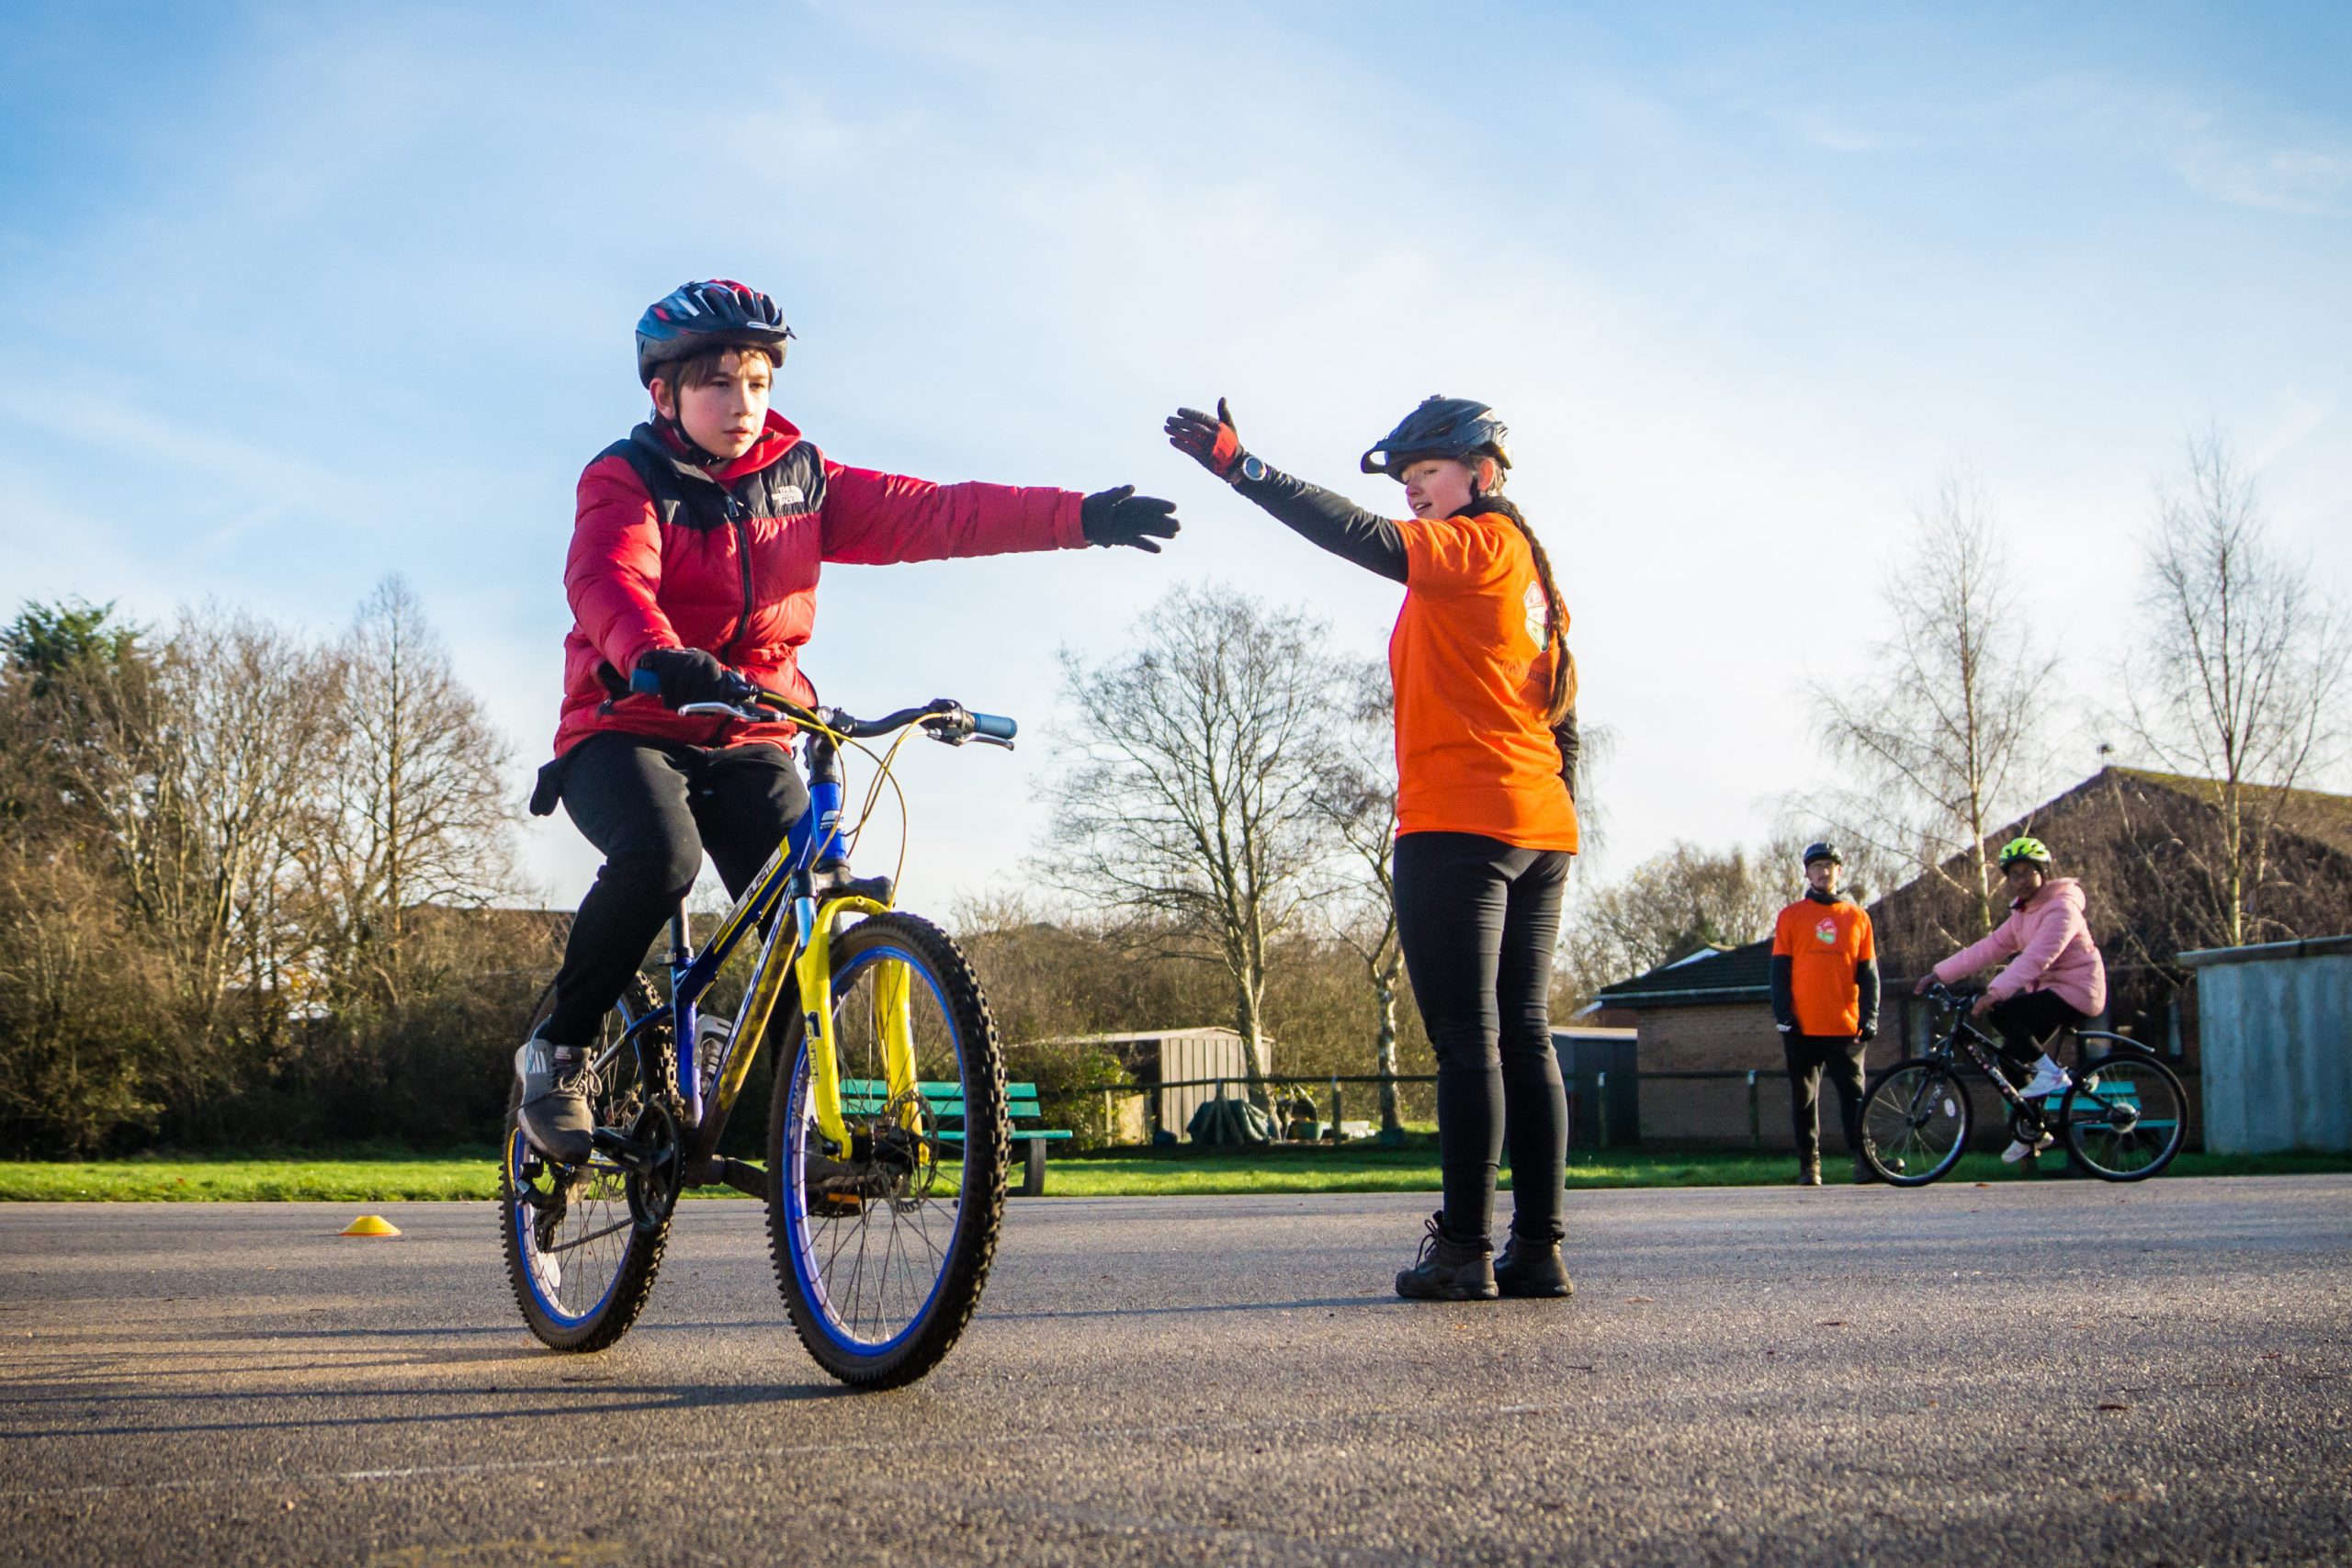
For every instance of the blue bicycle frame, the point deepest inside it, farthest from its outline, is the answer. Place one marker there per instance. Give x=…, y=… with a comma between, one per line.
x=815, y=840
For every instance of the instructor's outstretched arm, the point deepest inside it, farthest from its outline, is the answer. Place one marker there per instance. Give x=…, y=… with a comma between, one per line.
x=1338, y=525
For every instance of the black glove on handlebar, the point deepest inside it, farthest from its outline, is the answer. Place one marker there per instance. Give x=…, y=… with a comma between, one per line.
x=1122, y=517
x=692, y=675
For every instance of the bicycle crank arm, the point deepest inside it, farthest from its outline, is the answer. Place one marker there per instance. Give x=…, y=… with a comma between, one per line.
x=750, y=1179
x=627, y=1151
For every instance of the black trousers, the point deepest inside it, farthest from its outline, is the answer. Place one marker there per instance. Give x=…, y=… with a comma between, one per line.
x=653, y=807
x=1476, y=919
x=2028, y=1020
x=1809, y=1056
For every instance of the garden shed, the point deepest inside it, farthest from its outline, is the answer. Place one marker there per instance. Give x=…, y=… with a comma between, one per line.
x=1175, y=1056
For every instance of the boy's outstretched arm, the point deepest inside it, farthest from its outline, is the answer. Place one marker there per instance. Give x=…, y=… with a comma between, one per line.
x=876, y=519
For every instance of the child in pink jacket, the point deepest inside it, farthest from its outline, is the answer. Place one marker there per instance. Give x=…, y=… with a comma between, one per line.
x=2054, y=980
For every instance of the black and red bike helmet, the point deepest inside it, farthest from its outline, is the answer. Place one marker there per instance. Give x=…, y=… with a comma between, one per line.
x=696, y=317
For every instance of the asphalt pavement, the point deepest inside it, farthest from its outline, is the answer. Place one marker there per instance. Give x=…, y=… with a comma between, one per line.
x=2024, y=1374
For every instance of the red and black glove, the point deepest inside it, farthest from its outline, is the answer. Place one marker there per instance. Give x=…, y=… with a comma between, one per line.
x=1209, y=440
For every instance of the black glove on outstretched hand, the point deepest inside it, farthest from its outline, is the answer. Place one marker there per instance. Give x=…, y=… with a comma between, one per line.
x=1209, y=440
x=691, y=676
x=1122, y=517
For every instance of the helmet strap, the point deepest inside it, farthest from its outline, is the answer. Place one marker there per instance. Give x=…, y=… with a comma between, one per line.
x=677, y=432
x=674, y=428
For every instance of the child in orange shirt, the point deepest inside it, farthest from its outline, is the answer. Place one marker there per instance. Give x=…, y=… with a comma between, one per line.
x=1486, y=817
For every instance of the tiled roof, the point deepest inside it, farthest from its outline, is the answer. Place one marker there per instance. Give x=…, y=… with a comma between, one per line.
x=1722, y=975
x=2313, y=814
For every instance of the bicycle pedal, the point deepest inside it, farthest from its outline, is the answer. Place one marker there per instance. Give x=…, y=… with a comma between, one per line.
x=836, y=1205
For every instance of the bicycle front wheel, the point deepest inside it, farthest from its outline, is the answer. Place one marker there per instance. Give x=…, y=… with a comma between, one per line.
x=584, y=1243
x=1915, y=1122
x=2125, y=1118
x=882, y=1248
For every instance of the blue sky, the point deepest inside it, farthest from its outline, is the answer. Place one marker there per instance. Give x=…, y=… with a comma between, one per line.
x=297, y=296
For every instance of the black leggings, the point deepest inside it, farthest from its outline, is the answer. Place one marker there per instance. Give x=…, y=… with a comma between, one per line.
x=653, y=807
x=1476, y=919
x=2028, y=1020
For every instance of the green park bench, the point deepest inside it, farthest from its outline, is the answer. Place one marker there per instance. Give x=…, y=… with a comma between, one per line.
x=865, y=1096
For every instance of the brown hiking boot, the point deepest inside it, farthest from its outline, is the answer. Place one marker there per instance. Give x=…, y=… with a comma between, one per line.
x=1449, y=1271
x=1531, y=1268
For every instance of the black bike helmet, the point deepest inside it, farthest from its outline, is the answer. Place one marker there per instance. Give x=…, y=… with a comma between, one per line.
x=696, y=317
x=1441, y=427
x=1828, y=851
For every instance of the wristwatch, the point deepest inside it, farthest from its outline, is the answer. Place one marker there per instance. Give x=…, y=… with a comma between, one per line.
x=1250, y=468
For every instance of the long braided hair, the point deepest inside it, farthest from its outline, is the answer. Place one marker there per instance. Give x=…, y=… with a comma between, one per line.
x=1485, y=486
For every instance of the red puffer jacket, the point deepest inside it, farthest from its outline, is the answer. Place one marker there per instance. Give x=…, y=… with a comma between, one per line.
x=665, y=554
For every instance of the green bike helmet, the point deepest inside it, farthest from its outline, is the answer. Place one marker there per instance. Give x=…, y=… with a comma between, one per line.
x=2025, y=848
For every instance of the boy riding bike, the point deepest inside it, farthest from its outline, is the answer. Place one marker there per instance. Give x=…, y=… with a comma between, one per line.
x=694, y=555
x=2056, y=980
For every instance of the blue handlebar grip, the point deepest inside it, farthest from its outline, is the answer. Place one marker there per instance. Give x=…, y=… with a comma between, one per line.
x=995, y=726
x=645, y=681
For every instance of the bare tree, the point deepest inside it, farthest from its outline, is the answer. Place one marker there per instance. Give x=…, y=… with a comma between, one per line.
x=420, y=810
x=206, y=769
x=1682, y=901
x=1356, y=797
x=1941, y=734
x=1184, y=800
x=2240, y=683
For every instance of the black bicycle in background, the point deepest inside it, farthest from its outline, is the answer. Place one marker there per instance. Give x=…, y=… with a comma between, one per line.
x=2124, y=1120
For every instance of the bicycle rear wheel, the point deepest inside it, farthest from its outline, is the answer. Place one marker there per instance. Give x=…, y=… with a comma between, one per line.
x=2126, y=1117
x=882, y=1249
x=584, y=1243
x=1915, y=1122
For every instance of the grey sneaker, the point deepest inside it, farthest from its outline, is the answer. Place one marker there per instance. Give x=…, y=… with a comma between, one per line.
x=556, y=1081
x=1449, y=1271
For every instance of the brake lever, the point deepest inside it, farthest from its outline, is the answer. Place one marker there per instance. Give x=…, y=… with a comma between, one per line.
x=955, y=735
x=729, y=710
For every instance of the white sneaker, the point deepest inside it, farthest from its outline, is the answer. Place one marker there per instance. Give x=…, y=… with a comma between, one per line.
x=2049, y=1078
x=2019, y=1148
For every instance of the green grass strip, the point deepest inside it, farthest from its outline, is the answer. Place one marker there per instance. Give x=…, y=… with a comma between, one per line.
x=473, y=1175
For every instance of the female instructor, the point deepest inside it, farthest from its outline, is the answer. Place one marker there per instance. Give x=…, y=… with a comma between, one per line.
x=1486, y=750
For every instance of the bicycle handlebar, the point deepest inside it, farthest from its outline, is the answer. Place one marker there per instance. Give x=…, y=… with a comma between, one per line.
x=1948, y=997
x=942, y=718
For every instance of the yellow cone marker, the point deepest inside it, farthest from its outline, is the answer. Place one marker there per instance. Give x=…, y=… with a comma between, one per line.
x=371, y=1225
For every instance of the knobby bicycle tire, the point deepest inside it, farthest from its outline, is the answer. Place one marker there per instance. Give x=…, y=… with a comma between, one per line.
x=630, y=1257
x=806, y=1247
x=1915, y=1122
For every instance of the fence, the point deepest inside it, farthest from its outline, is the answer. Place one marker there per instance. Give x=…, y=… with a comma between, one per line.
x=1592, y=1108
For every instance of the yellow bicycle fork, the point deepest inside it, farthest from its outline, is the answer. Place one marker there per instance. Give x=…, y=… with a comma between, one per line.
x=811, y=969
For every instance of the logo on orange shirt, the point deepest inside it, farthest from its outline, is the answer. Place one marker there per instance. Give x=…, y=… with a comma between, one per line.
x=1538, y=622
x=1826, y=931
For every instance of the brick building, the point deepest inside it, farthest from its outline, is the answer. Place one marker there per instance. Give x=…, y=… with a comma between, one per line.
x=2141, y=843
x=1709, y=1016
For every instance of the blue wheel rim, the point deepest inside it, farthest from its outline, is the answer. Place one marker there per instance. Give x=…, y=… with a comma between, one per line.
x=800, y=1236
